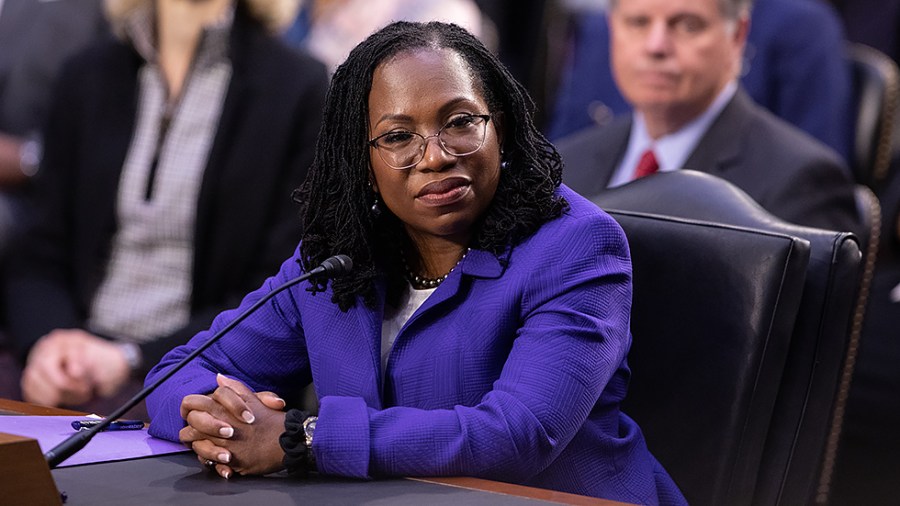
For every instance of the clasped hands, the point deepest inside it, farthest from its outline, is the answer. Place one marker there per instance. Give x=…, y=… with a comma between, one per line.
x=234, y=429
x=68, y=367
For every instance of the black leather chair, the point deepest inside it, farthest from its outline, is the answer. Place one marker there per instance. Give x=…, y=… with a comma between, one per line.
x=714, y=306
x=820, y=356
x=870, y=210
x=876, y=85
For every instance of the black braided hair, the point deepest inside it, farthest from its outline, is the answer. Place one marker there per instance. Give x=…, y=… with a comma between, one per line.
x=336, y=198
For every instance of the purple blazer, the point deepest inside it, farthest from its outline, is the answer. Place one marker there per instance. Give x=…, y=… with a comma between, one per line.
x=512, y=370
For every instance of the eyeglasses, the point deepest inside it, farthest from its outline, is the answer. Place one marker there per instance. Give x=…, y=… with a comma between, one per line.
x=402, y=149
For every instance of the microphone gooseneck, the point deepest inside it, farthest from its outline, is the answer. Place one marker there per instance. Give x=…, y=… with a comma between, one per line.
x=332, y=267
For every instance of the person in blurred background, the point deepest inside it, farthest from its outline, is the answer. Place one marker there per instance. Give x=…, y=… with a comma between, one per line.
x=329, y=29
x=162, y=192
x=35, y=39
x=793, y=65
x=677, y=63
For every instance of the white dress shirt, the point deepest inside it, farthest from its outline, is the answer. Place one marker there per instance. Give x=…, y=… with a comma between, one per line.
x=673, y=149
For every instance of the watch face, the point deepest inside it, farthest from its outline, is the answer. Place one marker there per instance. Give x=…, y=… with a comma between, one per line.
x=309, y=427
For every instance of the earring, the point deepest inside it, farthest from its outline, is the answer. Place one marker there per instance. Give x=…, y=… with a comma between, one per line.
x=376, y=209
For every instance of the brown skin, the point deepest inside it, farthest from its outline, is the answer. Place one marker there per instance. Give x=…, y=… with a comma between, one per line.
x=439, y=233
x=438, y=200
x=11, y=174
x=235, y=427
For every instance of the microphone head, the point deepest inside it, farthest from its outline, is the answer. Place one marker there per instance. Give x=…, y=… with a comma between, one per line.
x=337, y=265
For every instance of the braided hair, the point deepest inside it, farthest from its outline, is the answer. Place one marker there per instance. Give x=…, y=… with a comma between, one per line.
x=336, y=198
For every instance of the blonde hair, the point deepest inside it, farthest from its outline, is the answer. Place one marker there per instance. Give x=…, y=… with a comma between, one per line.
x=275, y=15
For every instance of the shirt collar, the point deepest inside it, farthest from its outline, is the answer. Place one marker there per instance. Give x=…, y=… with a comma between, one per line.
x=673, y=149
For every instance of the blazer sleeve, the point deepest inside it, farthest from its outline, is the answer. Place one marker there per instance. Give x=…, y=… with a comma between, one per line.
x=274, y=327
x=573, y=337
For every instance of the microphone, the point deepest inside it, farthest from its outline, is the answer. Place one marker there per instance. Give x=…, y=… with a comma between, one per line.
x=332, y=267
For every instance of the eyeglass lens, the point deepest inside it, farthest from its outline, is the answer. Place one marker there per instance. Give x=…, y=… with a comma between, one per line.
x=462, y=136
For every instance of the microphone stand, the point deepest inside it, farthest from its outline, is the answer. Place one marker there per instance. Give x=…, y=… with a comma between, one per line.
x=331, y=267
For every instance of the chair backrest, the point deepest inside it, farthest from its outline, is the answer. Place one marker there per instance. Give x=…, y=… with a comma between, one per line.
x=714, y=306
x=876, y=90
x=870, y=210
x=805, y=411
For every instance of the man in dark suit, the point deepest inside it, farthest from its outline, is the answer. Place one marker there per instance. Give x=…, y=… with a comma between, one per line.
x=677, y=63
x=791, y=44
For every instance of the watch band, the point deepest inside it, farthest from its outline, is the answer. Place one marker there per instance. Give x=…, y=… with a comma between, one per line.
x=132, y=353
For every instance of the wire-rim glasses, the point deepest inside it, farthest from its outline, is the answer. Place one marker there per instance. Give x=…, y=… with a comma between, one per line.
x=462, y=135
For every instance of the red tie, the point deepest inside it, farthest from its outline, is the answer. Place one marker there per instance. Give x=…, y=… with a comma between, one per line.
x=647, y=165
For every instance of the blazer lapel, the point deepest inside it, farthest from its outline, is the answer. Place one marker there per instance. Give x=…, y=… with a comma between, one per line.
x=345, y=348
x=118, y=113
x=369, y=379
x=236, y=98
x=477, y=263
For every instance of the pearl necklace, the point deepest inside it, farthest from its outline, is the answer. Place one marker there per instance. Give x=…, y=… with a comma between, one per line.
x=423, y=283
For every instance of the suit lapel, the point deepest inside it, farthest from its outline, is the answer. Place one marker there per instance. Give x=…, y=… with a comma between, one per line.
x=612, y=147
x=592, y=155
x=719, y=150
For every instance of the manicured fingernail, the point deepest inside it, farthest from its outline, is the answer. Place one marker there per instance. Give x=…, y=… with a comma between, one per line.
x=226, y=432
x=282, y=401
x=226, y=474
x=248, y=417
x=224, y=457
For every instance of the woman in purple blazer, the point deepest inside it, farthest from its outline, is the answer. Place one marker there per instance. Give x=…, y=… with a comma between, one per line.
x=484, y=329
